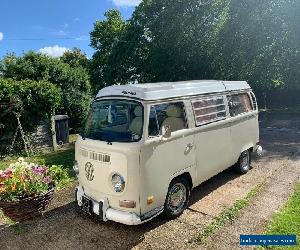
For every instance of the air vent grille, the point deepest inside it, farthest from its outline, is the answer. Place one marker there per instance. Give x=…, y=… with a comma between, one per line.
x=100, y=157
x=95, y=156
x=83, y=152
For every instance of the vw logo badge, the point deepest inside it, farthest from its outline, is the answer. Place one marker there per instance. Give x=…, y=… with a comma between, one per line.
x=89, y=171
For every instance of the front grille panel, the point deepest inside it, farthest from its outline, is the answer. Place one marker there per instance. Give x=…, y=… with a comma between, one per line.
x=100, y=157
x=83, y=152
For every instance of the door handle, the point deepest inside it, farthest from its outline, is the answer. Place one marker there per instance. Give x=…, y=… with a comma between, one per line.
x=188, y=148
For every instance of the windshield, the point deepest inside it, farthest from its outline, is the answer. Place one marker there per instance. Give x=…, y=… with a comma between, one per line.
x=114, y=121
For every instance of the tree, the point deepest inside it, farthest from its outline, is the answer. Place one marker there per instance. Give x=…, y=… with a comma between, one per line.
x=163, y=41
x=73, y=82
x=105, y=37
x=251, y=40
x=260, y=39
x=75, y=58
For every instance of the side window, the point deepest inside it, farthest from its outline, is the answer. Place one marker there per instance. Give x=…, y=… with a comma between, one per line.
x=172, y=114
x=239, y=104
x=209, y=109
x=253, y=100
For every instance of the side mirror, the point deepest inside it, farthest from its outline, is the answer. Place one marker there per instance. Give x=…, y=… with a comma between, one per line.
x=166, y=131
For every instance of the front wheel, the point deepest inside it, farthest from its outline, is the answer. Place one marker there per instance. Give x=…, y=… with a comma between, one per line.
x=177, y=198
x=243, y=165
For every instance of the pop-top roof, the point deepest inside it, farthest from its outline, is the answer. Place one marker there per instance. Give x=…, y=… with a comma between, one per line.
x=165, y=90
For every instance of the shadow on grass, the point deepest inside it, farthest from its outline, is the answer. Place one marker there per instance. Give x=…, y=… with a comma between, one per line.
x=62, y=157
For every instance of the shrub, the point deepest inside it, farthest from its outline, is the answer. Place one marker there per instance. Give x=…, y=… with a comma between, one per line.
x=60, y=176
x=35, y=100
x=72, y=80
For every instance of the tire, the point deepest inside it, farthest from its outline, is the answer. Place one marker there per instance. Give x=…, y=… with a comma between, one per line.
x=244, y=163
x=177, y=198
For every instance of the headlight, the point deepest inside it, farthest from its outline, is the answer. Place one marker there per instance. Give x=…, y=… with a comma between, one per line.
x=76, y=167
x=118, y=183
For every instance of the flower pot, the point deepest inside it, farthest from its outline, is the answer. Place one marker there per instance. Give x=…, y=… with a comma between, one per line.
x=27, y=208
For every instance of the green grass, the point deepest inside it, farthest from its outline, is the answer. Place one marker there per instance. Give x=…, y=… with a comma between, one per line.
x=62, y=157
x=228, y=215
x=287, y=221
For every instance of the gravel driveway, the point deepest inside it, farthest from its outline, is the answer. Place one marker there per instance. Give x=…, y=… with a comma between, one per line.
x=62, y=228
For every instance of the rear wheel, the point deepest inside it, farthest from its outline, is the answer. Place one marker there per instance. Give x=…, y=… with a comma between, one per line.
x=177, y=198
x=243, y=164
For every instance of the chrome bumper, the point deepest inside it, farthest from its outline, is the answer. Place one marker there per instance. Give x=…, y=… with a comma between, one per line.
x=106, y=213
x=258, y=150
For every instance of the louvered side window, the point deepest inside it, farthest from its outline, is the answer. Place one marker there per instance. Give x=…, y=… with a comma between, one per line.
x=209, y=109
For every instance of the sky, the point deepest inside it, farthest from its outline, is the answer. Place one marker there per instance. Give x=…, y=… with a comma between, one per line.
x=53, y=26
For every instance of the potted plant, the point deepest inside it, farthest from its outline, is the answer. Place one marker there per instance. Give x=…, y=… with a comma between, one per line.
x=25, y=190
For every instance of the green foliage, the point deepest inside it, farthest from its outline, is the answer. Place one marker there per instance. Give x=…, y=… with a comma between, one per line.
x=228, y=215
x=259, y=38
x=35, y=100
x=251, y=40
x=71, y=78
x=64, y=158
x=61, y=176
x=106, y=38
x=75, y=58
x=287, y=221
x=61, y=166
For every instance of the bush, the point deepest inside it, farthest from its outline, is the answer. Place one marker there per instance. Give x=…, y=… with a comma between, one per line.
x=33, y=100
x=60, y=176
x=73, y=82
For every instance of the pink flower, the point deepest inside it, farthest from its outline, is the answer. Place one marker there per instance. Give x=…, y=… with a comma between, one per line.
x=47, y=179
x=8, y=173
x=39, y=169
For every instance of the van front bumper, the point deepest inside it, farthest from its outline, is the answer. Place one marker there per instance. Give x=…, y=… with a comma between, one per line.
x=258, y=150
x=102, y=209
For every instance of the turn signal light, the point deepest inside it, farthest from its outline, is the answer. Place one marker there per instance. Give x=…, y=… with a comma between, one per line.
x=150, y=200
x=127, y=204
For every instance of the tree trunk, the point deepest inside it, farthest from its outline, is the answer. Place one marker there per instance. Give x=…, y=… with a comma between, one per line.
x=53, y=132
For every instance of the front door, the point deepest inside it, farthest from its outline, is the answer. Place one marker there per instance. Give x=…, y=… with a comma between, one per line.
x=164, y=158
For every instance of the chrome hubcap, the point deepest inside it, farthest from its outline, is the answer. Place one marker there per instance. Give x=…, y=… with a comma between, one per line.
x=177, y=198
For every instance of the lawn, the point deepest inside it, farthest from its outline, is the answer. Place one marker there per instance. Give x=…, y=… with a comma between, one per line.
x=62, y=157
x=287, y=221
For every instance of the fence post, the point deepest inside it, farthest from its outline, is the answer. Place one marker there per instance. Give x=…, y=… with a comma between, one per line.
x=53, y=132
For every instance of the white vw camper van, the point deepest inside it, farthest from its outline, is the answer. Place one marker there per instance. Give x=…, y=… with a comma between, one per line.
x=144, y=147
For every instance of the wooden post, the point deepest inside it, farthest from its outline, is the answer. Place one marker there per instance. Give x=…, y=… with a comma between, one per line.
x=53, y=132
